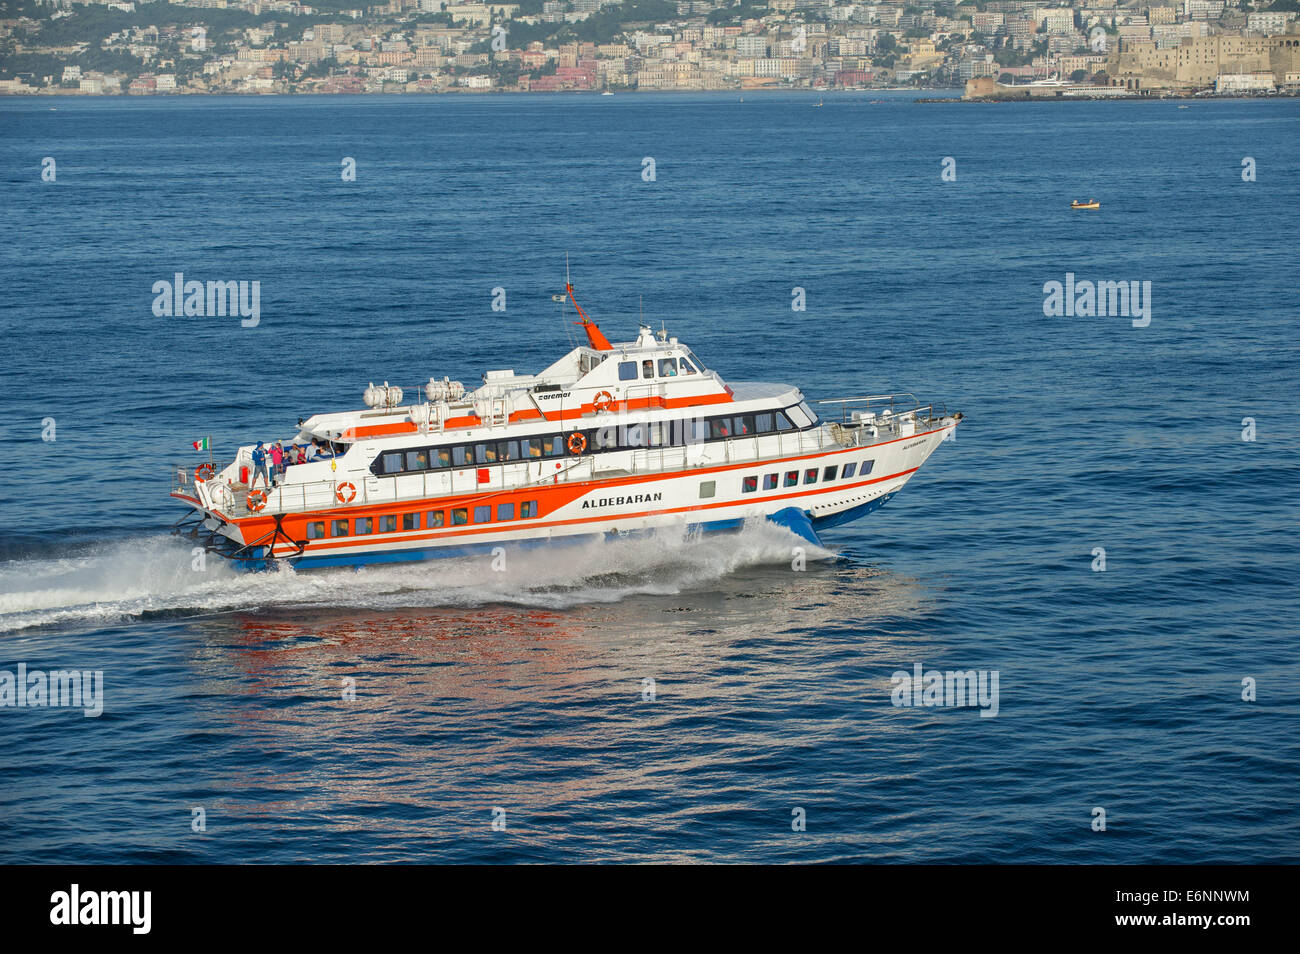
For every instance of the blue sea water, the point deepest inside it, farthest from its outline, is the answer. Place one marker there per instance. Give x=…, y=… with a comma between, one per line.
x=524, y=691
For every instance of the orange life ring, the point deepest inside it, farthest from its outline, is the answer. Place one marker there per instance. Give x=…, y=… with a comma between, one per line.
x=346, y=492
x=203, y=472
x=256, y=500
x=577, y=443
x=603, y=401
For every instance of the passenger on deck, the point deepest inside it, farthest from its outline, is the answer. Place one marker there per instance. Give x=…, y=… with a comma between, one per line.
x=259, y=467
x=277, y=460
x=313, y=451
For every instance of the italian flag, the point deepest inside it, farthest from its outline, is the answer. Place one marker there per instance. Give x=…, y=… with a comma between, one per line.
x=200, y=445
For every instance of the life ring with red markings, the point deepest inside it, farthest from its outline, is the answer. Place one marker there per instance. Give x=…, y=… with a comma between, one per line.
x=577, y=443
x=203, y=472
x=256, y=500
x=345, y=492
x=603, y=401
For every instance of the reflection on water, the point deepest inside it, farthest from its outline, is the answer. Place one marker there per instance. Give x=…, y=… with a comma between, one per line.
x=538, y=710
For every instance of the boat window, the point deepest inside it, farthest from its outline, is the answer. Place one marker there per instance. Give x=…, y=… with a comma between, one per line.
x=719, y=427
x=811, y=414
x=866, y=468
x=390, y=463
x=763, y=423
x=435, y=518
x=363, y=525
x=506, y=511
x=627, y=370
x=417, y=459
x=508, y=450
x=315, y=529
x=604, y=438
x=634, y=435
x=648, y=368
x=553, y=446
x=410, y=521
x=528, y=509
x=338, y=528
x=442, y=457
x=697, y=431
x=485, y=453
x=849, y=470
x=810, y=475
x=534, y=445
x=667, y=367
x=690, y=361
x=483, y=514
x=686, y=367
x=388, y=524
x=791, y=478
x=830, y=472
x=460, y=455
x=749, y=485
x=744, y=424
x=708, y=488
x=769, y=482
x=459, y=516
x=799, y=417
x=657, y=434
x=783, y=422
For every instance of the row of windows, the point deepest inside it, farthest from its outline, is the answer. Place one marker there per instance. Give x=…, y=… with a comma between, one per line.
x=677, y=433
x=431, y=519
x=770, y=481
x=667, y=368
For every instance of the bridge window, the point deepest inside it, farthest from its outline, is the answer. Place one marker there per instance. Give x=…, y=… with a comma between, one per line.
x=648, y=368
x=667, y=367
x=627, y=370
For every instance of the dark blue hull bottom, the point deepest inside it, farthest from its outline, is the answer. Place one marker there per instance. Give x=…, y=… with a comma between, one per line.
x=792, y=518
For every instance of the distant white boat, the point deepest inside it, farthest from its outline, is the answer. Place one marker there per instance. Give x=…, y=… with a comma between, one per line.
x=607, y=93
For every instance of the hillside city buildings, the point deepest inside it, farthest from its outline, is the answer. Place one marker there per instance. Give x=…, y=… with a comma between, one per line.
x=138, y=47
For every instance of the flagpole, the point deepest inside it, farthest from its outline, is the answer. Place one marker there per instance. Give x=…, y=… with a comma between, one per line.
x=211, y=463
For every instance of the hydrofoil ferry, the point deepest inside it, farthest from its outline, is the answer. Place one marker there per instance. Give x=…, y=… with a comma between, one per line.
x=613, y=438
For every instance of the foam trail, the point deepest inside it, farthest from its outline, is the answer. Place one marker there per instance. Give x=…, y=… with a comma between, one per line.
x=125, y=580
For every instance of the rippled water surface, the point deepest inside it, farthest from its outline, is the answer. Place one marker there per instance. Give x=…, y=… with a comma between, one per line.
x=526, y=690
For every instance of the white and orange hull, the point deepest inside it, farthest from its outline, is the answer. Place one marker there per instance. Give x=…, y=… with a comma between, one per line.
x=479, y=510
